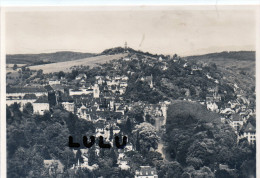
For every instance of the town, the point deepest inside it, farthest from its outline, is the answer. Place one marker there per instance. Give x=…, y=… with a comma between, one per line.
x=128, y=97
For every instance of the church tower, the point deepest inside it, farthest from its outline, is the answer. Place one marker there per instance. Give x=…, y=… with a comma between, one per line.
x=151, y=82
x=96, y=91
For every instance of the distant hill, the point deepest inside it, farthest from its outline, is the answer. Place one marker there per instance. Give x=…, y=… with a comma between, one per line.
x=44, y=58
x=237, y=55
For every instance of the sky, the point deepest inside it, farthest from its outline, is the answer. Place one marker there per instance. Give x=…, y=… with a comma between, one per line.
x=159, y=30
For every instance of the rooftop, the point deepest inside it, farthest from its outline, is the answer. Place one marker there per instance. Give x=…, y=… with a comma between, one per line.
x=42, y=99
x=250, y=128
x=25, y=89
x=29, y=96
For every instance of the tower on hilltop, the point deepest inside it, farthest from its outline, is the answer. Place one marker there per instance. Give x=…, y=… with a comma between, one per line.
x=125, y=46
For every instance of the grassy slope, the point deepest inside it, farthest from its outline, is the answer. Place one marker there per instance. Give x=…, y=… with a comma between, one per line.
x=65, y=66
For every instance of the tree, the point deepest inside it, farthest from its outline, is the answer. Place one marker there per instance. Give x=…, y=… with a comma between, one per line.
x=61, y=74
x=222, y=174
x=113, y=157
x=39, y=73
x=148, y=136
x=92, y=158
x=79, y=156
x=15, y=67
x=28, y=108
x=137, y=144
x=128, y=126
x=111, y=134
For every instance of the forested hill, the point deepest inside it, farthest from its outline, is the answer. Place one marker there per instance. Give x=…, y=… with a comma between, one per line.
x=118, y=50
x=199, y=142
x=236, y=67
x=46, y=57
x=237, y=55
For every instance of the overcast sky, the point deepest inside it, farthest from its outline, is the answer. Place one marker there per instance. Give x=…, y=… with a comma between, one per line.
x=185, y=31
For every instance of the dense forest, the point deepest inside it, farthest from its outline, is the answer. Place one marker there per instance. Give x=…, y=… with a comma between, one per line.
x=198, y=141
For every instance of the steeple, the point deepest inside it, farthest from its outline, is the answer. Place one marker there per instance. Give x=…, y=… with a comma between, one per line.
x=151, y=82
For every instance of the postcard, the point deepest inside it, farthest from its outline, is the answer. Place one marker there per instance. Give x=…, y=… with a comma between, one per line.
x=130, y=91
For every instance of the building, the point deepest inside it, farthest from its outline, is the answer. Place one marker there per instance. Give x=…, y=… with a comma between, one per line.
x=41, y=105
x=250, y=133
x=68, y=103
x=54, y=167
x=96, y=91
x=81, y=76
x=19, y=92
x=146, y=172
x=28, y=98
x=82, y=91
x=123, y=164
x=236, y=122
x=54, y=82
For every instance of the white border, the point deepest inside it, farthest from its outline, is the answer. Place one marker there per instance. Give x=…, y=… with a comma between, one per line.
x=68, y=3
x=2, y=97
x=124, y=2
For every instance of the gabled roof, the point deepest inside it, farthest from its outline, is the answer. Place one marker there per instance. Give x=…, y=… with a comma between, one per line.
x=57, y=87
x=48, y=88
x=65, y=98
x=29, y=96
x=249, y=128
x=42, y=99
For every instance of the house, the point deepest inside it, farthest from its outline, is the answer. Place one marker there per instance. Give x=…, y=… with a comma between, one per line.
x=236, y=122
x=54, y=167
x=41, y=105
x=128, y=147
x=121, y=109
x=250, y=133
x=146, y=172
x=67, y=103
x=212, y=106
x=54, y=82
x=227, y=111
x=101, y=131
x=81, y=76
x=28, y=98
x=82, y=91
x=123, y=164
x=83, y=112
x=58, y=87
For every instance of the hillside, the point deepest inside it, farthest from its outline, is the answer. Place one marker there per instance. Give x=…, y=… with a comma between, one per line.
x=67, y=66
x=34, y=59
x=236, y=67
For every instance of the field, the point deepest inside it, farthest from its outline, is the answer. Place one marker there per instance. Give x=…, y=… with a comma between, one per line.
x=66, y=66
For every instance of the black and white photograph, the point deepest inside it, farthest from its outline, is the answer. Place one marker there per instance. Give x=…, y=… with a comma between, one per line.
x=130, y=91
